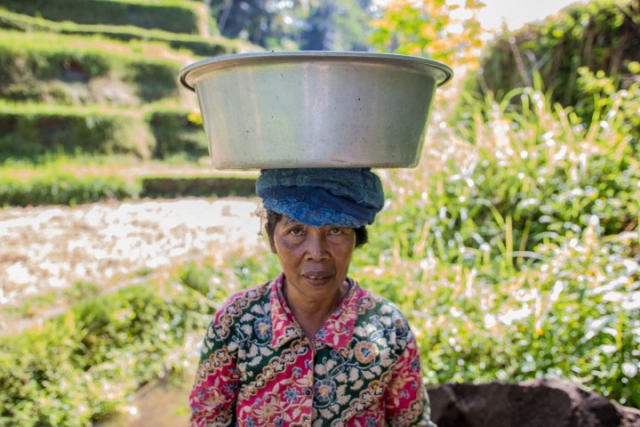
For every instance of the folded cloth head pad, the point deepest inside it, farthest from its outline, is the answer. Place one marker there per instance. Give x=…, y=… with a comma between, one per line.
x=318, y=197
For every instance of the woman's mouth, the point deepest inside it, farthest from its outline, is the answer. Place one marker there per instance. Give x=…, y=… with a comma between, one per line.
x=318, y=278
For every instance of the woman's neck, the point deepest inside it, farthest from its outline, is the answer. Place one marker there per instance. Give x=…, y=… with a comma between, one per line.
x=310, y=313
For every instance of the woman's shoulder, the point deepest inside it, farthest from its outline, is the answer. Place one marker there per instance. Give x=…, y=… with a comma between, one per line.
x=372, y=304
x=245, y=297
x=380, y=319
x=377, y=315
x=237, y=306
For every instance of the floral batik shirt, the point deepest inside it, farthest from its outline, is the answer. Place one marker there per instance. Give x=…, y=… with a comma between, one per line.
x=257, y=367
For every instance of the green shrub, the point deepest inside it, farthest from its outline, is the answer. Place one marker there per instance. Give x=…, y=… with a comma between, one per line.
x=32, y=131
x=573, y=315
x=171, y=187
x=529, y=178
x=168, y=15
x=599, y=37
x=31, y=65
x=602, y=95
x=515, y=252
x=195, y=44
x=178, y=132
x=63, y=188
x=82, y=365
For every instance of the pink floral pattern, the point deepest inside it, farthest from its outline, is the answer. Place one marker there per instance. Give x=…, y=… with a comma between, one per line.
x=257, y=368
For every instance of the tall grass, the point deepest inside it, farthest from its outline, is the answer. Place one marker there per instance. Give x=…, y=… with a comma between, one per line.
x=81, y=366
x=517, y=256
x=507, y=181
x=513, y=249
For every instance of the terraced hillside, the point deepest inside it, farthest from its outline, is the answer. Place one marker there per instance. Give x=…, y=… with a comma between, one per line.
x=177, y=16
x=98, y=77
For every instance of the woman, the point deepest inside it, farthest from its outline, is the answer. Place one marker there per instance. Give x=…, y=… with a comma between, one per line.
x=311, y=348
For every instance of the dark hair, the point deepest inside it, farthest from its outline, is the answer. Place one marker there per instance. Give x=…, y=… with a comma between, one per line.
x=362, y=234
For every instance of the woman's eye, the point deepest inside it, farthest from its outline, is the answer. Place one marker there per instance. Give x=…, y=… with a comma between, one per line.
x=296, y=231
x=335, y=231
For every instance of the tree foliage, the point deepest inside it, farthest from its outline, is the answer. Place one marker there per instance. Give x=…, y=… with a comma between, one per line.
x=303, y=24
x=447, y=31
x=588, y=57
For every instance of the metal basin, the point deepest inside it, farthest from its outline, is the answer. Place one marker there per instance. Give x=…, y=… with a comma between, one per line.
x=315, y=109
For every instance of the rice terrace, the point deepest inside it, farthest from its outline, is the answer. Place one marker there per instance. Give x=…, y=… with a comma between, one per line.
x=512, y=248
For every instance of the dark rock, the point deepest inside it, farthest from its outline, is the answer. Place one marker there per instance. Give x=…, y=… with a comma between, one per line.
x=537, y=403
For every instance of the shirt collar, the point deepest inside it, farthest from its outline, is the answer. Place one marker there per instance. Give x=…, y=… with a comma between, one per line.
x=337, y=331
x=284, y=327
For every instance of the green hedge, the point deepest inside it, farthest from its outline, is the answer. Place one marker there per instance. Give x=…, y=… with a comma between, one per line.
x=168, y=15
x=41, y=67
x=195, y=44
x=600, y=36
x=59, y=374
x=538, y=174
x=30, y=132
x=63, y=188
x=170, y=187
x=177, y=132
x=514, y=253
x=60, y=187
x=33, y=131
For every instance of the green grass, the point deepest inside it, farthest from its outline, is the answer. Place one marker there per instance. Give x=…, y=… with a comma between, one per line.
x=32, y=131
x=63, y=188
x=569, y=315
x=167, y=15
x=593, y=37
x=518, y=179
x=79, y=161
x=60, y=179
x=515, y=254
x=33, y=306
x=80, y=366
x=194, y=44
x=63, y=69
x=58, y=187
x=95, y=164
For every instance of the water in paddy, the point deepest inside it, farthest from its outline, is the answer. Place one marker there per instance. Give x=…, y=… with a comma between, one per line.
x=164, y=404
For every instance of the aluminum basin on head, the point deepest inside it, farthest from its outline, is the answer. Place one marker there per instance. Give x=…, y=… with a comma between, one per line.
x=315, y=109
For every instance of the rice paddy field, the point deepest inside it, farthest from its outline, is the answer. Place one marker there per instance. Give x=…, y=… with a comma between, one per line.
x=514, y=257
x=513, y=248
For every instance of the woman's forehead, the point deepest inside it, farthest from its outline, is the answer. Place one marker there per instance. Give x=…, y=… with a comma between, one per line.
x=287, y=220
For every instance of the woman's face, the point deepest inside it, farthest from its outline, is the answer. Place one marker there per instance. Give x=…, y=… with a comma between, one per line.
x=315, y=260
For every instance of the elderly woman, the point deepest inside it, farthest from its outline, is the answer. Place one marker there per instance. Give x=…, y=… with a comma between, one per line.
x=311, y=348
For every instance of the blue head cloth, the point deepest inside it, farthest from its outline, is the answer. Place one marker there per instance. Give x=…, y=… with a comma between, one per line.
x=318, y=197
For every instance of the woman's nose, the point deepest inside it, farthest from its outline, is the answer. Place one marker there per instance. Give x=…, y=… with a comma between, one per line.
x=316, y=244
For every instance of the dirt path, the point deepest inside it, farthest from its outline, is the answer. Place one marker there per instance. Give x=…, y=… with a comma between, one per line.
x=49, y=249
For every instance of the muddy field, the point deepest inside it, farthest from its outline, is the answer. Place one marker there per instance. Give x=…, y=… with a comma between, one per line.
x=44, y=250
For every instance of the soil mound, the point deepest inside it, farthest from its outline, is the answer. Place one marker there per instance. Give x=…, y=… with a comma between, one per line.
x=537, y=403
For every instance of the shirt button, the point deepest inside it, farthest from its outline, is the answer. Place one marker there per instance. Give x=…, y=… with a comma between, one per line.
x=307, y=392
